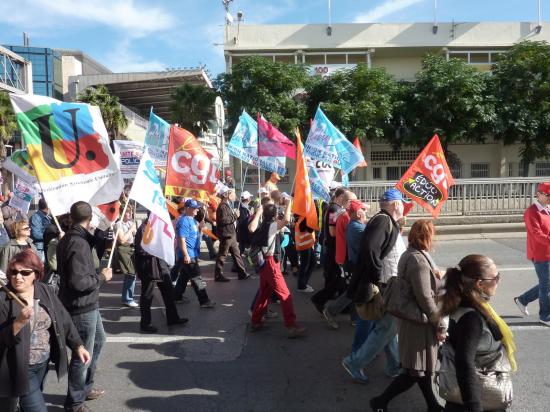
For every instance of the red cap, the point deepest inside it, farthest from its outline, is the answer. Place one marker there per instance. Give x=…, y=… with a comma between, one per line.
x=544, y=188
x=356, y=205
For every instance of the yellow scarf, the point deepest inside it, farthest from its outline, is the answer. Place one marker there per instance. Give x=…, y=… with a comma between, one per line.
x=507, y=336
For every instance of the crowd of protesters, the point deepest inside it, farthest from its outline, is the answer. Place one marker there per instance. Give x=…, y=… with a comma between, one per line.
x=57, y=275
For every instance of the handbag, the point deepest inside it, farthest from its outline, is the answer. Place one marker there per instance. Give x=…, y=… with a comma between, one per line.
x=493, y=371
x=256, y=254
x=372, y=308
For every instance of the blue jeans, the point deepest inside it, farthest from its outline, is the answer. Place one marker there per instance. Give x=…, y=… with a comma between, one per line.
x=128, y=287
x=81, y=377
x=383, y=335
x=540, y=291
x=307, y=264
x=32, y=401
x=362, y=329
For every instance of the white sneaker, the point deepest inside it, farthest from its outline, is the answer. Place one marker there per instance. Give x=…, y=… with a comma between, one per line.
x=307, y=289
x=522, y=308
x=545, y=322
x=132, y=304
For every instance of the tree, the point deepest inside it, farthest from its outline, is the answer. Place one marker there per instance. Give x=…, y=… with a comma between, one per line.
x=113, y=116
x=521, y=81
x=8, y=124
x=449, y=98
x=360, y=101
x=193, y=107
x=258, y=84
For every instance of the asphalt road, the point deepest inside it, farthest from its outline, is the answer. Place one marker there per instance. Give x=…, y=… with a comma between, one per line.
x=214, y=363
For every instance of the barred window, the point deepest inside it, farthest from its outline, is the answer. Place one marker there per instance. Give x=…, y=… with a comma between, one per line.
x=377, y=173
x=392, y=173
x=542, y=169
x=402, y=155
x=456, y=171
x=251, y=177
x=478, y=170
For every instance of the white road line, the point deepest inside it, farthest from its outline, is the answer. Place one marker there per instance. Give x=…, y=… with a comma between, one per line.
x=514, y=269
x=529, y=327
x=159, y=339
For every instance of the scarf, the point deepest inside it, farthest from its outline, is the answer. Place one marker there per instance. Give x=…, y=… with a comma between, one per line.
x=507, y=336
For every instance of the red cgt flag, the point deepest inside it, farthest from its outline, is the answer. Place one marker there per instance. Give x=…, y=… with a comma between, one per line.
x=428, y=179
x=189, y=165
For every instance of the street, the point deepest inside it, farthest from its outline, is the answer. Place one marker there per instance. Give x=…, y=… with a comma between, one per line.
x=214, y=363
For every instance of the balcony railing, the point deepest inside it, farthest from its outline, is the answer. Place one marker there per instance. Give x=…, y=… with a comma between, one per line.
x=499, y=196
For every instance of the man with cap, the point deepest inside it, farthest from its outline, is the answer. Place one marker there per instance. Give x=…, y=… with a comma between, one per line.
x=263, y=192
x=229, y=179
x=379, y=252
x=537, y=224
x=243, y=235
x=226, y=232
x=271, y=183
x=188, y=233
x=40, y=220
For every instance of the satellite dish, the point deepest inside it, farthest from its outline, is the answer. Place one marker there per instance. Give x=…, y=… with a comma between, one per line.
x=220, y=112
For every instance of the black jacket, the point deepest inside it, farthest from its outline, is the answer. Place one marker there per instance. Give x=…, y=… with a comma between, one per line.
x=14, y=350
x=243, y=234
x=377, y=241
x=148, y=267
x=225, y=221
x=79, y=281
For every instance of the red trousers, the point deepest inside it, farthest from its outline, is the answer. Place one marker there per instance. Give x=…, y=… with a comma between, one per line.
x=272, y=280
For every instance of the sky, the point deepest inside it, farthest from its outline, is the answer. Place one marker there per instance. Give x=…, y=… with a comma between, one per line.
x=147, y=35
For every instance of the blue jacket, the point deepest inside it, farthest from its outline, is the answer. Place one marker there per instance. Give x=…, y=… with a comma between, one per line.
x=39, y=222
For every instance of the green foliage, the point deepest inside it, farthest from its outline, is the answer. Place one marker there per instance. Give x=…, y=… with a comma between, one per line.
x=258, y=84
x=360, y=101
x=113, y=117
x=8, y=124
x=521, y=81
x=193, y=107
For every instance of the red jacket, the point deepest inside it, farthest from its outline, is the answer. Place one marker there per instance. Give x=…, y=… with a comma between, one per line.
x=341, y=243
x=537, y=223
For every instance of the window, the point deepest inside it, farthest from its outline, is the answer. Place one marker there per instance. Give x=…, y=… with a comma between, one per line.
x=315, y=58
x=404, y=155
x=512, y=169
x=377, y=173
x=357, y=58
x=479, y=58
x=456, y=171
x=287, y=58
x=251, y=177
x=478, y=170
x=542, y=169
x=392, y=173
x=336, y=59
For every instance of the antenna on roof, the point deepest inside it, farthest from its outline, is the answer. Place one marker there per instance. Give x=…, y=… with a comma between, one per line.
x=435, y=26
x=329, y=27
x=538, y=28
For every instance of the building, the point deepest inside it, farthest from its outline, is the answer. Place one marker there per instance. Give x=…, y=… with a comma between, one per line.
x=399, y=49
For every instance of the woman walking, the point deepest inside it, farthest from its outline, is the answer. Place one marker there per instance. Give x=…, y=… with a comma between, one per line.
x=126, y=229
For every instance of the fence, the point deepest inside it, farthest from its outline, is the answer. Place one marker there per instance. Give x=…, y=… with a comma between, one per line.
x=498, y=196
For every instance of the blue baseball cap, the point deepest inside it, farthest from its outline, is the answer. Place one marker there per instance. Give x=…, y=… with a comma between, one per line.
x=192, y=203
x=391, y=195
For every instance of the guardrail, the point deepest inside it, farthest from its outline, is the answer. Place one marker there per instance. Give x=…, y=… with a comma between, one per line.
x=133, y=116
x=498, y=196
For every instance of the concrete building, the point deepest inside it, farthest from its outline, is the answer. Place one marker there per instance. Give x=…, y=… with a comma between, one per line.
x=399, y=49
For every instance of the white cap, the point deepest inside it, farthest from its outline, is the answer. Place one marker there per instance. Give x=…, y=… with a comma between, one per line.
x=334, y=185
x=246, y=195
x=221, y=189
x=262, y=190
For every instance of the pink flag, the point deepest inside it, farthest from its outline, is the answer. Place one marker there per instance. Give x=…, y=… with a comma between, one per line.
x=271, y=142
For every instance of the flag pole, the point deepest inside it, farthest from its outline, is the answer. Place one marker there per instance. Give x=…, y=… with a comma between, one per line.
x=116, y=234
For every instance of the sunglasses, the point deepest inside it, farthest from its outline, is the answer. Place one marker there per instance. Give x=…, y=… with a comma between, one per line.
x=23, y=272
x=25, y=228
x=496, y=278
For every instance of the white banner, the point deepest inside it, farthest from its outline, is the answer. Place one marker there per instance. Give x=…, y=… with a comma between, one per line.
x=23, y=193
x=158, y=239
x=128, y=154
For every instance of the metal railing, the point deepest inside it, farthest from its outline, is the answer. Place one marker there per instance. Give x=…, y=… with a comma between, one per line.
x=497, y=196
x=133, y=116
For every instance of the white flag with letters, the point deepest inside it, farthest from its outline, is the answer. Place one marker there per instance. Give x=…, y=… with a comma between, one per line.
x=158, y=239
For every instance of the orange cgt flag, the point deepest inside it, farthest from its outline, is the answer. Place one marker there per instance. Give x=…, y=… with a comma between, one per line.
x=303, y=205
x=358, y=146
x=428, y=179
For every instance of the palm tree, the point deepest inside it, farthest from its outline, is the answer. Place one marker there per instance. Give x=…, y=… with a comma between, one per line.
x=193, y=107
x=8, y=124
x=113, y=117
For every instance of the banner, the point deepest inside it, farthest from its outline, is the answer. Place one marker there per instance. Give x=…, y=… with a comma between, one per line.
x=325, y=142
x=303, y=204
x=19, y=164
x=69, y=150
x=23, y=192
x=428, y=179
x=158, y=239
x=271, y=142
x=105, y=215
x=319, y=186
x=156, y=140
x=128, y=154
x=244, y=145
x=190, y=166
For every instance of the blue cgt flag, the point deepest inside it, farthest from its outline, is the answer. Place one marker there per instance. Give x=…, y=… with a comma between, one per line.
x=328, y=144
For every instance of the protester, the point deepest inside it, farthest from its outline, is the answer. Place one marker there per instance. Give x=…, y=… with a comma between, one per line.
x=20, y=232
x=125, y=230
x=229, y=179
x=188, y=233
x=380, y=250
x=32, y=336
x=40, y=220
x=201, y=217
x=474, y=327
x=79, y=292
x=537, y=224
x=151, y=270
x=263, y=192
x=243, y=235
x=271, y=278
x=10, y=214
x=226, y=232
x=271, y=183
x=418, y=342
x=304, y=237
x=52, y=274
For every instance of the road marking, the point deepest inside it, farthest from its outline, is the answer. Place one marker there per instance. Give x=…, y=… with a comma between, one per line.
x=159, y=339
x=514, y=269
x=198, y=391
x=529, y=327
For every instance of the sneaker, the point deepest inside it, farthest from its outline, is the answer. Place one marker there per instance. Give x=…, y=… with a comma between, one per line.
x=296, y=332
x=208, y=304
x=545, y=322
x=357, y=375
x=330, y=320
x=221, y=278
x=131, y=304
x=307, y=289
x=522, y=308
x=95, y=393
x=148, y=329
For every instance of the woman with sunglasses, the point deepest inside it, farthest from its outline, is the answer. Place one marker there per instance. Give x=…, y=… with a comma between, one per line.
x=31, y=336
x=21, y=240
x=474, y=327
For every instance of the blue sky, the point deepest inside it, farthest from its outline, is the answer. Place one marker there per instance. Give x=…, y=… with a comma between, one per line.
x=142, y=35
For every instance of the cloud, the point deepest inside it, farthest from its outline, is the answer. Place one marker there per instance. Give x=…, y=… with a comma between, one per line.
x=256, y=12
x=387, y=8
x=122, y=60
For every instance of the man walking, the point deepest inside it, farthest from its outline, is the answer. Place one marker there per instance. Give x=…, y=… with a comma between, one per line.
x=226, y=232
x=40, y=220
x=537, y=223
x=79, y=292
